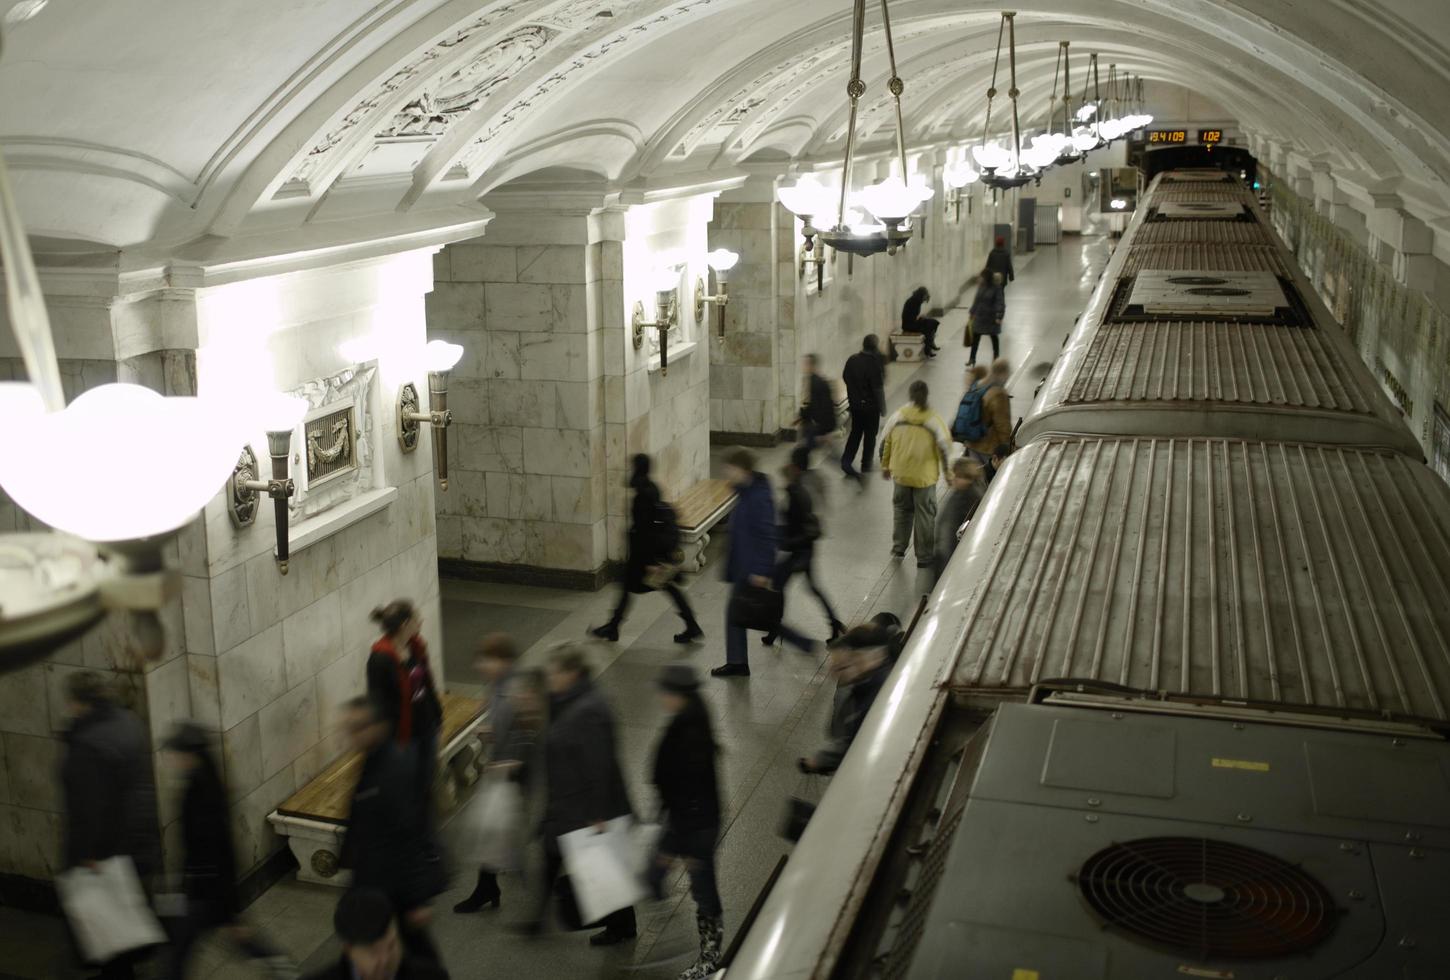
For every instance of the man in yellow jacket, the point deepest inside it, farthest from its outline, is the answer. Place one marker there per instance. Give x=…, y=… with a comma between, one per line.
x=914, y=454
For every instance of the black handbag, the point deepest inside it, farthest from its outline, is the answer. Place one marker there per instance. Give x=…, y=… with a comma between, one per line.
x=755, y=608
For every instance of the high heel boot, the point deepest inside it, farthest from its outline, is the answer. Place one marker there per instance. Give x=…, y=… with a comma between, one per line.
x=712, y=936
x=485, y=893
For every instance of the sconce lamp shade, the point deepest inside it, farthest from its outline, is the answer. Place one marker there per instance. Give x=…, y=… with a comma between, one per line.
x=280, y=413
x=121, y=463
x=440, y=355
x=722, y=260
x=665, y=279
x=808, y=198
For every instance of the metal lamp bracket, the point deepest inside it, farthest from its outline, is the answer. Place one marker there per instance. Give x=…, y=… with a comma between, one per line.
x=242, y=499
x=408, y=426
x=701, y=298
x=245, y=491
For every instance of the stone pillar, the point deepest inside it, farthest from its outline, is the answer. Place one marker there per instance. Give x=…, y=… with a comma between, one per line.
x=1324, y=187
x=1404, y=242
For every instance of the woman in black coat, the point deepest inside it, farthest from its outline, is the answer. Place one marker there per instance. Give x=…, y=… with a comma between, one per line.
x=684, y=776
x=209, y=867
x=651, y=544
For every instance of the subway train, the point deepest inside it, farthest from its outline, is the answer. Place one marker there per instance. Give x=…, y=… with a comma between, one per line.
x=1178, y=707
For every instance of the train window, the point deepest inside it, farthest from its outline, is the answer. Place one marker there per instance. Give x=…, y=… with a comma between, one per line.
x=1440, y=443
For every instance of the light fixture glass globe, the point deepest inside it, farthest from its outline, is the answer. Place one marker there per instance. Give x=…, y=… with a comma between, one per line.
x=122, y=463
x=665, y=279
x=992, y=156
x=1111, y=128
x=1084, y=139
x=960, y=175
x=440, y=355
x=858, y=223
x=1085, y=112
x=1118, y=204
x=280, y=413
x=722, y=259
x=808, y=198
x=892, y=199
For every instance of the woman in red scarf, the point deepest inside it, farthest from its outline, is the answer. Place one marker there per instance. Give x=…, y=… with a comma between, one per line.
x=400, y=683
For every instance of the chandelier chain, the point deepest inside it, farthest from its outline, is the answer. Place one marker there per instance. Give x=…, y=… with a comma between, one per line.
x=1012, y=92
x=855, y=88
x=896, y=86
x=992, y=89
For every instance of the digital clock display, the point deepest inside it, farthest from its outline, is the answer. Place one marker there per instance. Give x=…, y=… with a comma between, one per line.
x=1167, y=136
x=1210, y=136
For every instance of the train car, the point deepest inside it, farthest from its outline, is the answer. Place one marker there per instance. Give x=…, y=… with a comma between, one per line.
x=1179, y=705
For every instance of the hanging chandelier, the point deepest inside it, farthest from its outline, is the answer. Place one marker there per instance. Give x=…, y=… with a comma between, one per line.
x=1085, y=135
x=1049, y=145
x=890, y=202
x=1003, y=166
x=1111, y=122
x=1069, y=152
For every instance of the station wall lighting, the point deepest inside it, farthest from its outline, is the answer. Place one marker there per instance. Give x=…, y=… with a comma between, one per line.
x=280, y=416
x=666, y=282
x=439, y=358
x=722, y=260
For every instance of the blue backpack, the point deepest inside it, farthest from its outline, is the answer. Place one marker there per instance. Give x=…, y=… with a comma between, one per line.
x=968, y=425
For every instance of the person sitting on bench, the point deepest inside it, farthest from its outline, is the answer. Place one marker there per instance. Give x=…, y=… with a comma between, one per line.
x=913, y=322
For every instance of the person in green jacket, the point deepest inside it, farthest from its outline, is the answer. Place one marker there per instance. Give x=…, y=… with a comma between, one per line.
x=914, y=455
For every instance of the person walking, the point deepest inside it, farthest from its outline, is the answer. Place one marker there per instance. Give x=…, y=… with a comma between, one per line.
x=798, y=537
x=653, y=540
x=1000, y=260
x=516, y=716
x=689, y=792
x=371, y=949
x=400, y=683
x=108, y=791
x=966, y=489
x=913, y=322
x=818, y=412
x=865, y=379
x=750, y=553
x=994, y=422
x=914, y=455
x=583, y=783
x=989, y=306
x=861, y=664
x=209, y=863
x=389, y=843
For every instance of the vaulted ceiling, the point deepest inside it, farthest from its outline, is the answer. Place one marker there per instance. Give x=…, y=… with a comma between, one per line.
x=149, y=124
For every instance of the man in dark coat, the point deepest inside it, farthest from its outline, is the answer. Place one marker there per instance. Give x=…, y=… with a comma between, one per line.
x=1000, y=260
x=389, y=845
x=583, y=783
x=371, y=949
x=861, y=665
x=798, y=537
x=989, y=308
x=818, y=412
x=913, y=322
x=651, y=545
x=865, y=378
x=110, y=796
x=750, y=556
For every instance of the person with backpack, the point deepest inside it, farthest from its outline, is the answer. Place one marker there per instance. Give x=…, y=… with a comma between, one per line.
x=865, y=378
x=798, y=537
x=989, y=306
x=986, y=424
x=654, y=540
x=914, y=455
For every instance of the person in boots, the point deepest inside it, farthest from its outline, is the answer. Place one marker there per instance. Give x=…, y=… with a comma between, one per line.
x=689, y=792
x=653, y=538
x=798, y=537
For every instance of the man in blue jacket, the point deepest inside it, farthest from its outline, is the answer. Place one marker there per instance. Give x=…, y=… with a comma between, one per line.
x=750, y=558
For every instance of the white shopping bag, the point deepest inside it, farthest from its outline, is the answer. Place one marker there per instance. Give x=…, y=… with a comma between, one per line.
x=493, y=824
x=604, y=868
x=107, y=910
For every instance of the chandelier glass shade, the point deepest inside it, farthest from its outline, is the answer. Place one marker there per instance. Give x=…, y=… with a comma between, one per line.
x=960, y=174
x=891, y=201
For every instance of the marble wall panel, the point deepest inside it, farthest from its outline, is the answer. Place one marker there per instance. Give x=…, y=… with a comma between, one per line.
x=472, y=262
x=551, y=263
x=255, y=840
x=168, y=697
x=468, y=401
x=457, y=306
x=500, y=353
x=524, y=403
x=518, y=496
x=288, y=727
x=359, y=597
x=24, y=705
x=312, y=639
x=558, y=452
x=196, y=612
x=554, y=357
x=251, y=675
x=34, y=838
x=34, y=769
x=205, y=684
x=524, y=307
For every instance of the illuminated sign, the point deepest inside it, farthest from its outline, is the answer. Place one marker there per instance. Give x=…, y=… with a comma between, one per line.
x=1210, y=136
x=1167, y=136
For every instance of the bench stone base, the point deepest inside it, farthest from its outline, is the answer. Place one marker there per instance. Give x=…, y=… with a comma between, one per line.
x=908, y=346
x=693, y=550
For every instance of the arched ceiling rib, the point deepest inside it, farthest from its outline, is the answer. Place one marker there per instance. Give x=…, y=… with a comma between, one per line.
x=159, y=125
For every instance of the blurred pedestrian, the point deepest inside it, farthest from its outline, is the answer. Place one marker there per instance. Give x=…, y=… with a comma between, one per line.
x=371, y=950
x=209, y=863
x=860, y=663
x=108, y=790
x=865, y=379
x=818, y=412
x=389, y=844
x=516, y=714
x=913, y=322
x=989, y=307
x=750, y=553
x=689, y=792
x=654, y=538
x=914, y=455
x=994, y=415
x=965, y=492
x=999, y=457
x=1000, y=260
x=798, y=537
x=400, y=684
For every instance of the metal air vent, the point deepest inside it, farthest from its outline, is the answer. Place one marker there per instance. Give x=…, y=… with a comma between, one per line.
x=1206, y=897
x=1207, y=292
x=1217, y=210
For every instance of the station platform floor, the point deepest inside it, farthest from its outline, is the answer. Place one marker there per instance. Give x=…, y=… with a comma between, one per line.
x=763, y=723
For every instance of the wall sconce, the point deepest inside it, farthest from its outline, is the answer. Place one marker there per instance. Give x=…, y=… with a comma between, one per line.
x=280, y=415
x=439, y=358
x=667, y=288
x=722, y=260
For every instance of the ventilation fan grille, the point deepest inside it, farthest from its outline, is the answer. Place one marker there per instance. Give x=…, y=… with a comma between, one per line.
x=1206, y=255
x=1211, y=898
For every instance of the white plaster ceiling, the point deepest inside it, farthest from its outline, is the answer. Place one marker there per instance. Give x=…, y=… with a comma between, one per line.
x=146, y=124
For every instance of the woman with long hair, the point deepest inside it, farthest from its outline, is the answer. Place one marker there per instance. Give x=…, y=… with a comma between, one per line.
x=689, y=792
x=400, y=683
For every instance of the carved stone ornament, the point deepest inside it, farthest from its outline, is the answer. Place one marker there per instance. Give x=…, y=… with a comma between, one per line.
x=335, y=459
x=324, y=863
x=242, y=502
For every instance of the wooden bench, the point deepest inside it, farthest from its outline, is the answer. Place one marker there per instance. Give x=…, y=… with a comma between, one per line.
x=314, y=818
x=698, y=510
x=908, y=346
